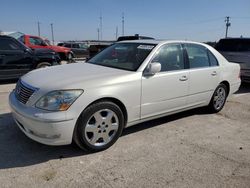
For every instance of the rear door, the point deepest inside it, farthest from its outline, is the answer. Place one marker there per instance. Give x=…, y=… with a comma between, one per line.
x=204, y=74
x=14, y=60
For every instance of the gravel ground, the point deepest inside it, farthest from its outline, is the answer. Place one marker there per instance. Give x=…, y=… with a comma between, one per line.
x=190, y=149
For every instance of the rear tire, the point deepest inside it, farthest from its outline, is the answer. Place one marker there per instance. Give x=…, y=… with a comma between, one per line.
x=218, y=99
x=99, y=126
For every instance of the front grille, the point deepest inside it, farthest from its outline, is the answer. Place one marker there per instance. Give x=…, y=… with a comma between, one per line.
x=23, y=91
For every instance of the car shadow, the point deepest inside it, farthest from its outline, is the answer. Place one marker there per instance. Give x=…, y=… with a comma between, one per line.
x=17, y=150
x=163, y=120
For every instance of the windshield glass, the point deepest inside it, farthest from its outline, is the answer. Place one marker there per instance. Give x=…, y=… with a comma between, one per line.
x=126, y=56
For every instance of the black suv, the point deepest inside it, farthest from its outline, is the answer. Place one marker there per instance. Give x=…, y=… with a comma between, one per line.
x=17, y=59
x=80, y=50
x=135, y=37
x=237, y=50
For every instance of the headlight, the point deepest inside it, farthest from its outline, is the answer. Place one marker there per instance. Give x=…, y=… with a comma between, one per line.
x=58, y=100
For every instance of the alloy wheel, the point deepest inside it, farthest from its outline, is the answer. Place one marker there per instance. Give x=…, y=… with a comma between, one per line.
x=219, y=98
x=101, y=127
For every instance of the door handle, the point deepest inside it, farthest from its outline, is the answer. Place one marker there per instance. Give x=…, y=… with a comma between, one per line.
x=183, y=78
x=214, y=73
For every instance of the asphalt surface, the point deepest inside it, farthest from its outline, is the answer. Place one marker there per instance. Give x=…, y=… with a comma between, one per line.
x=190, y=149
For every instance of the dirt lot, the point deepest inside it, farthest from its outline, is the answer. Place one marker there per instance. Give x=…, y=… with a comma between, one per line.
x=191, y=149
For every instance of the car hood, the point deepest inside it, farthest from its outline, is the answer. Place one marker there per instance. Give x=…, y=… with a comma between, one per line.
x=76, y=75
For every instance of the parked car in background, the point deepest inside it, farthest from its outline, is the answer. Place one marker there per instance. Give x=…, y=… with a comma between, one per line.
x=96, y=48
x=237, y=50
x=125, y=84
x=134, y=37
x=16, y=59
x=80, y=50
x=35, y=42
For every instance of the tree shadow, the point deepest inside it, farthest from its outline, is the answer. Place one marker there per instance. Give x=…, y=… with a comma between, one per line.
x=17, y=150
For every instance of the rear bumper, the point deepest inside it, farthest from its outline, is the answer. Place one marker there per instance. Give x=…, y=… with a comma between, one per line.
x=234, y=87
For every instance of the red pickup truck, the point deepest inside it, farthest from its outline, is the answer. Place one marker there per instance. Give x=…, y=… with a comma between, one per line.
x=37, y=42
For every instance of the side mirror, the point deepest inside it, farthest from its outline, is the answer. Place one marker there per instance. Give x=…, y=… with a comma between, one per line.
x=152, y=69
x=43, y=44
x=27, y=50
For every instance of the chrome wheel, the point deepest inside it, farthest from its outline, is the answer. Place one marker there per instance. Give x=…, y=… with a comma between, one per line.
x=101, y=127
x=219, y=98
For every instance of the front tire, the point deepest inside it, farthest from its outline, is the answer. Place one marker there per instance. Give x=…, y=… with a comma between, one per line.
x=218, y=99
x=43, y=65
x=99, y=126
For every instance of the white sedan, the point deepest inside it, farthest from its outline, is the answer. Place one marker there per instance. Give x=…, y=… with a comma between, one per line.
x=127, y=83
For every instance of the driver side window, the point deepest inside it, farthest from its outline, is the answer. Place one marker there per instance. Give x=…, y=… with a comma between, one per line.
x=36, y=41
x=170, y=57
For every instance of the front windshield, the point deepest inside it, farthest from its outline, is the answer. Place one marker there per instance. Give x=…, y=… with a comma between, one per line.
x=126, y=56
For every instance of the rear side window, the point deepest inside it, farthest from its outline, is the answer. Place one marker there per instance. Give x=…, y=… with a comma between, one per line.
x=212, y=59
x=197, y=56
x=8, y=44
x=36, y=41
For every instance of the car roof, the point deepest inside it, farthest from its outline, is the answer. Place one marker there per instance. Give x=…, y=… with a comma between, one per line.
x=156, y=42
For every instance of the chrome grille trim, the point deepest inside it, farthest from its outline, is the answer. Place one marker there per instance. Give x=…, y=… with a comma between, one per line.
x=24, y=91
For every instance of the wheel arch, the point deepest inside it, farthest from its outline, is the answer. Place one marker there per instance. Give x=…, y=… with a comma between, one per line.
x=115, y=101
x=226, y=83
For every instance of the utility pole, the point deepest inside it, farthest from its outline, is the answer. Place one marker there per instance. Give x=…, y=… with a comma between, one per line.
x=123, y=24
x=38, y=28
x=100, y=26
x=116, y=32
x=52, y=33
x=98, y=34
x=228, y=24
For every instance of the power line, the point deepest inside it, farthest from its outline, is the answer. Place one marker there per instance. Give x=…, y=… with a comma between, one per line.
x=205, y=21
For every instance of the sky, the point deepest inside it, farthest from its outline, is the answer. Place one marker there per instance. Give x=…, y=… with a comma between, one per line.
x=198, y=20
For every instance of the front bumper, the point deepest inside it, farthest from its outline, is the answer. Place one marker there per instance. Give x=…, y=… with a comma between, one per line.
x=50, y=128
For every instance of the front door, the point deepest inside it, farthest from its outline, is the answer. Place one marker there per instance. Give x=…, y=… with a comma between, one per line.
x=14, y=60
x=167, y=90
